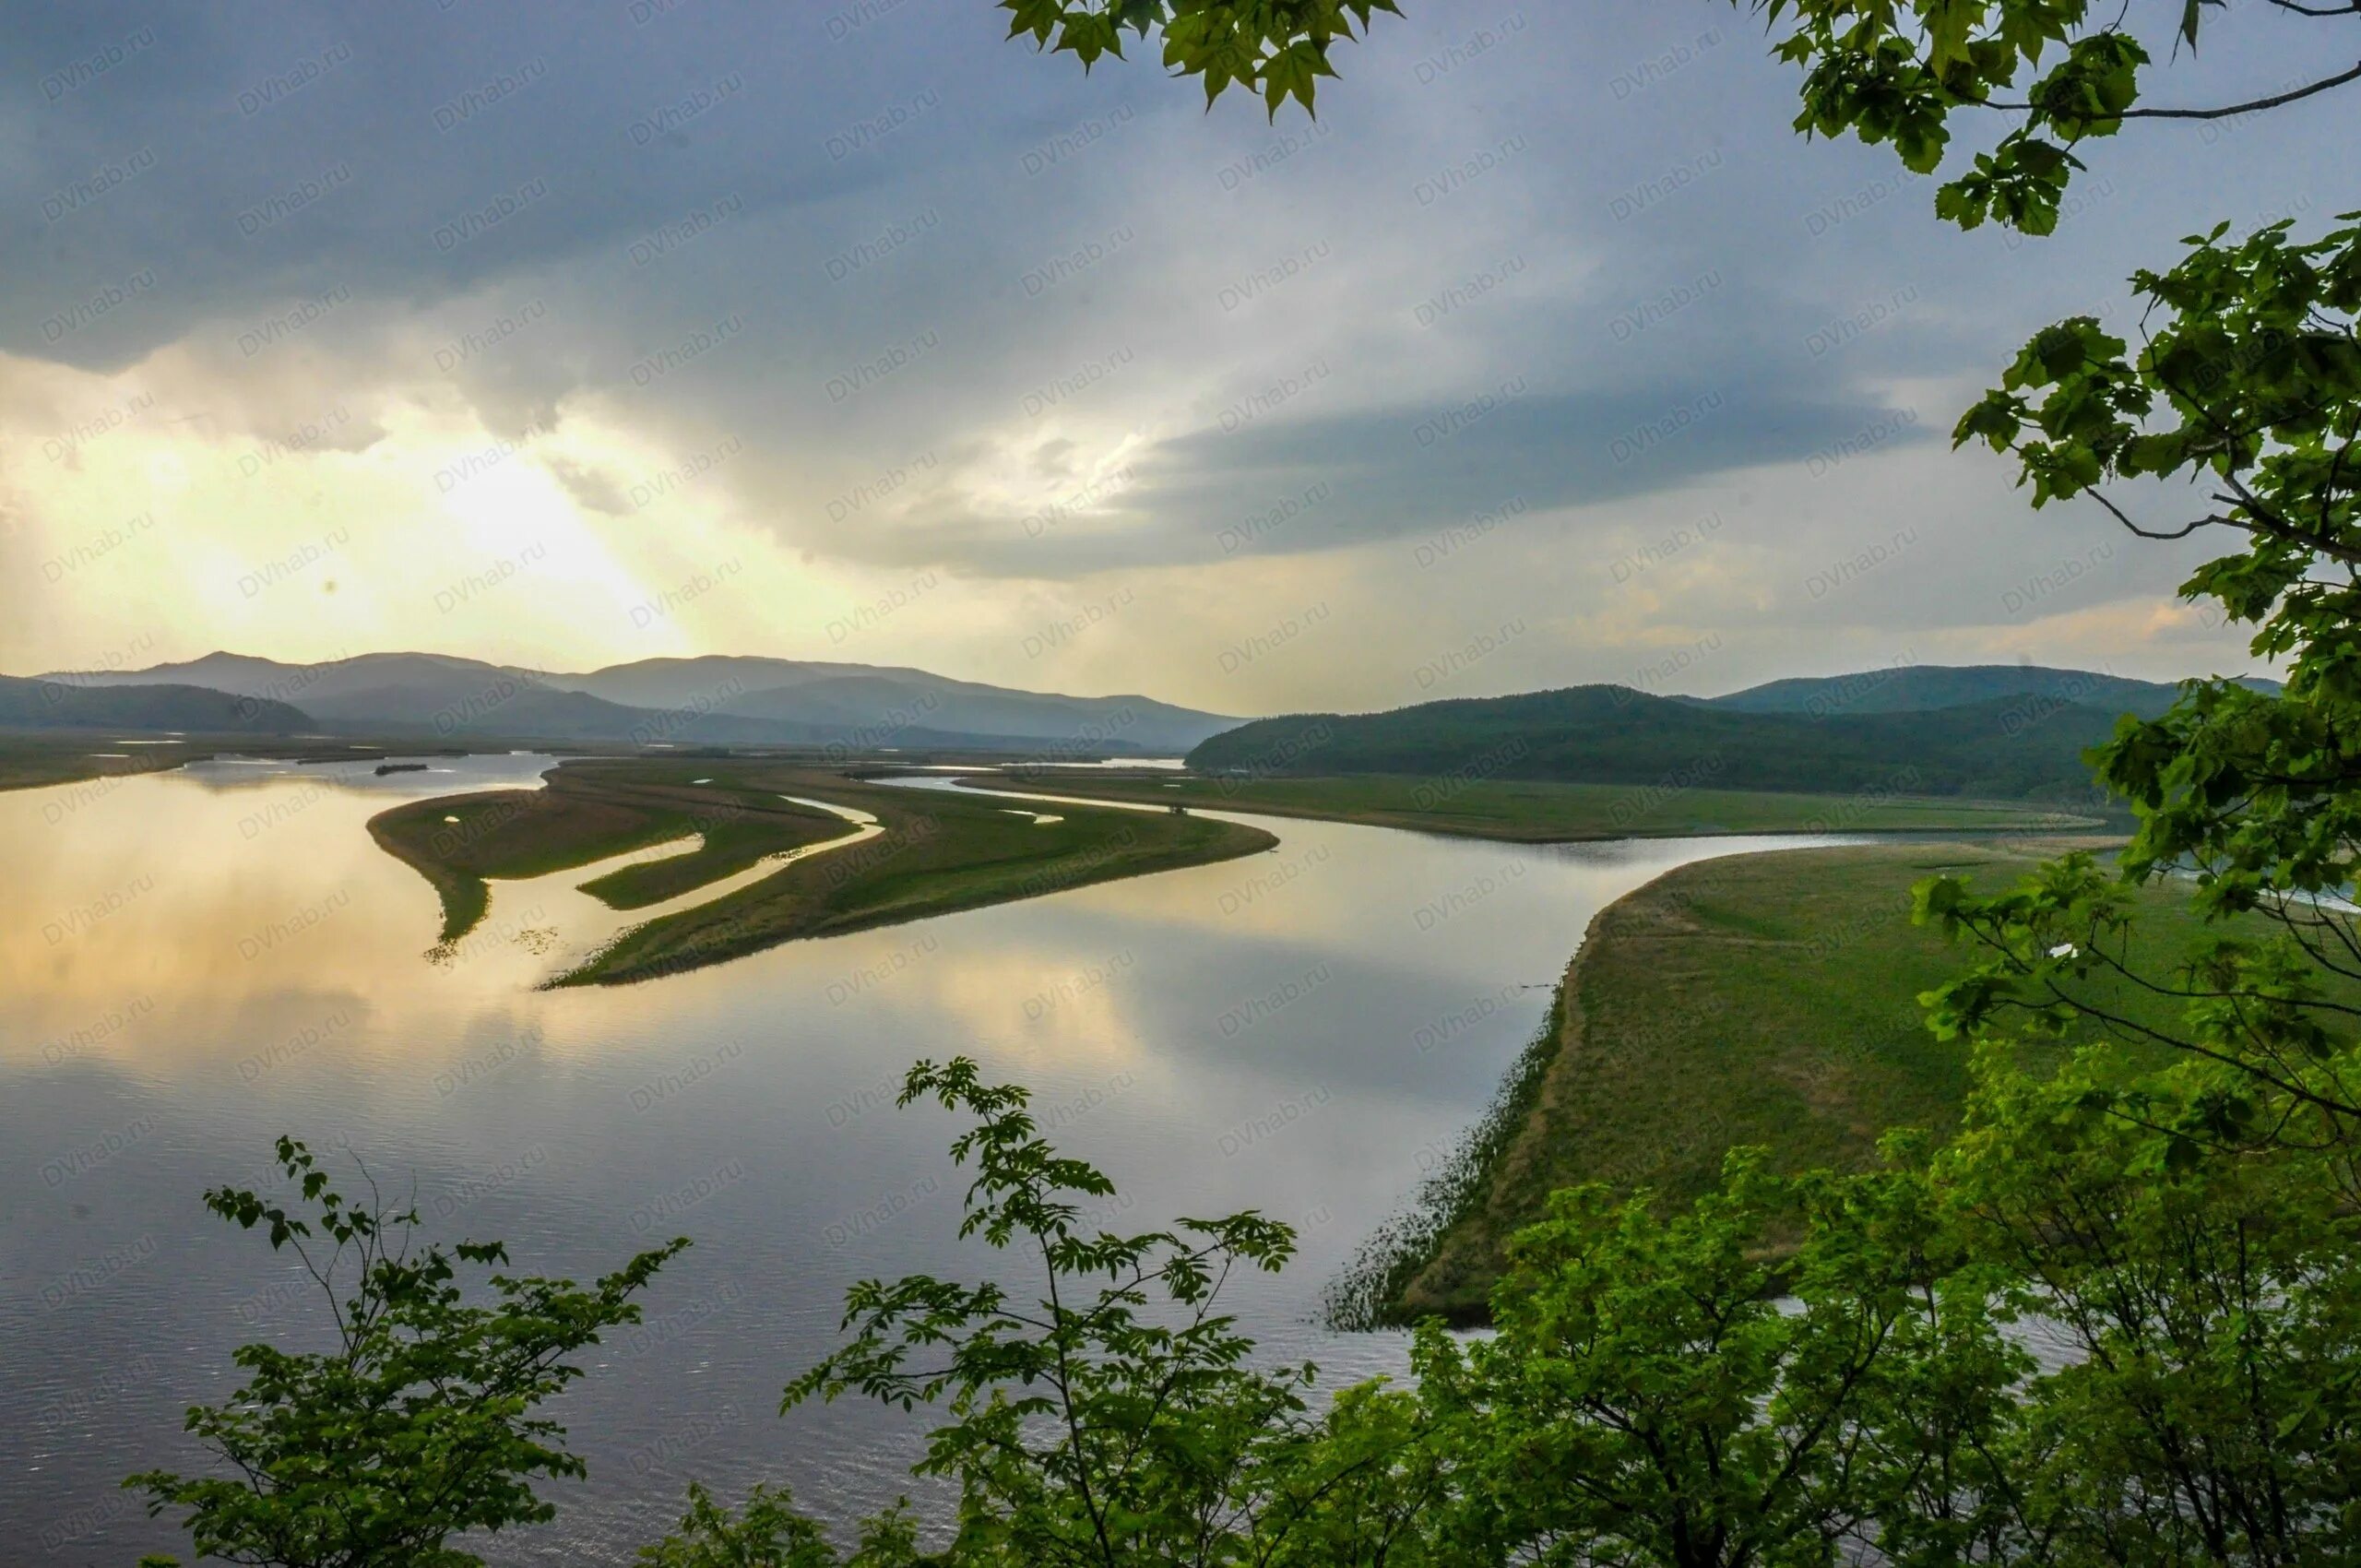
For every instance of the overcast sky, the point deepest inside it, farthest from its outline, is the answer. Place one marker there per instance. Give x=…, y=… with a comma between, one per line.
x=573, y=333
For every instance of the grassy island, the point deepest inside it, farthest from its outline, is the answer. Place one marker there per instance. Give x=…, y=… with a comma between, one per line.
x=934, y=852
x=593, y=812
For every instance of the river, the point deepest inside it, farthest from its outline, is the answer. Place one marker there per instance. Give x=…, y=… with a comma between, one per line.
x=193, y=962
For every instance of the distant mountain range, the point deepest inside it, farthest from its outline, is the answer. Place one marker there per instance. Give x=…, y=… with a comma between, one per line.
x=2004, y=731
x=1995, y=731
x=716, y=700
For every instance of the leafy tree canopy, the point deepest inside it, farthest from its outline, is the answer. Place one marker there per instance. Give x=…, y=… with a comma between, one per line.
x=2060, y=73
x=420, y=1423
x=2245, y=389
x=1277, y=49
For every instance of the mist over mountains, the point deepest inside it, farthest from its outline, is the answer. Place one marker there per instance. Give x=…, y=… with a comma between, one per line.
x=709, y=700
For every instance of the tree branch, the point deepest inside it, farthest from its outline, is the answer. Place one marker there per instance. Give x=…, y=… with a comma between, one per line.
x=2231, y=111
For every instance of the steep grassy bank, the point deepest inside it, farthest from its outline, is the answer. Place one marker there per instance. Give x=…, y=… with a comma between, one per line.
x=1760, y=999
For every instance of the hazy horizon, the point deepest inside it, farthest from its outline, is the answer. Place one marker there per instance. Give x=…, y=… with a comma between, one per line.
x=570, y=673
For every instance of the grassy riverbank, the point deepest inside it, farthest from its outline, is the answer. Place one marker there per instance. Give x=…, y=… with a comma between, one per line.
x=1758, y=999
x=1547, y=813
x=42, y=759
x=38, y=762
x=936, y=852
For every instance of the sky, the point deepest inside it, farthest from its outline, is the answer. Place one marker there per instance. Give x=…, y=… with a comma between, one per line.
x=567, y=334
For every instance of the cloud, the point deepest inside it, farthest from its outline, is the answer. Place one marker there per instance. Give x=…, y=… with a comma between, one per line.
x=853, y=294
x=599, y=491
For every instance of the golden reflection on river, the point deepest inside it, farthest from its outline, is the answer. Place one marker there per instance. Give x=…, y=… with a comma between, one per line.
x=192, y=963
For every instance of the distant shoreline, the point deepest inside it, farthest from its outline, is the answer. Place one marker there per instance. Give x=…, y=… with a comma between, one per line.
x=1524, y=813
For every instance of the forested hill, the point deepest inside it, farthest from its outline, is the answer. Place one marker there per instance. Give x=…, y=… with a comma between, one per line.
x=2022, y=747
x=1912, y=687
x=56, y=704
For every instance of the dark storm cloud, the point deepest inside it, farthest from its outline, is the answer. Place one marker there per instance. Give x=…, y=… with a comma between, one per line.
x=413, y=149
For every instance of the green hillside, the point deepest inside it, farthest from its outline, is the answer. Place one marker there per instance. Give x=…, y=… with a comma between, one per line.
x=1907, y=688
x=2024, y=747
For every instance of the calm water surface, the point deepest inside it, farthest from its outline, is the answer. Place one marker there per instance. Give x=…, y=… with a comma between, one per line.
x=192, y=964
